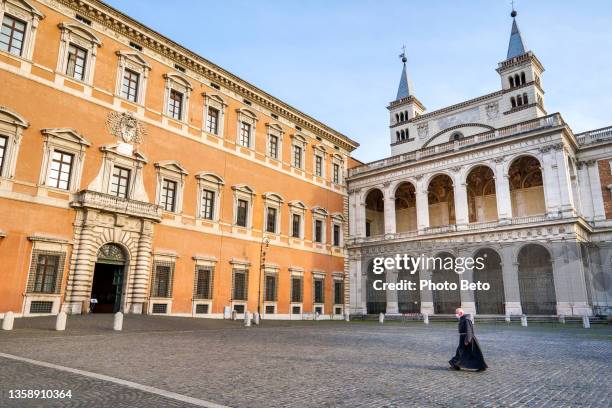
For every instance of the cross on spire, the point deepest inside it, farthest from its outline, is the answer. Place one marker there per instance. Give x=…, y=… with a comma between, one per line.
x=403, y=54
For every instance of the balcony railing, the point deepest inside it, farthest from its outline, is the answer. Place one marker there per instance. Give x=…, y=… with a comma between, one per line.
x=110, y=203
x=442, y=229
x=595, y=136
x=491, y=135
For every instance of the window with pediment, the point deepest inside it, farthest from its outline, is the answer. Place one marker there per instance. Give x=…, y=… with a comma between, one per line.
x=319, y=160
x=272, y=213
x=77, y=54
x=63, y=158
x=214, y=113
x=243, y=206
x=297, y=211
x=11, y=129
x=170, y=185
x=176, y=96
x=274, y=142
x=19, y=22
x=247, y=122
x=209, y=195
x=298, y=147
x=132, y=76
x=319, y=225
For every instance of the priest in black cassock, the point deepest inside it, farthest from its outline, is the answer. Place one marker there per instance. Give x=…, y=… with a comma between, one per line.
x=468, y=355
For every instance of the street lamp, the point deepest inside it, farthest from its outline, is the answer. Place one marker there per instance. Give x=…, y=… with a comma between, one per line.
x=265, y=243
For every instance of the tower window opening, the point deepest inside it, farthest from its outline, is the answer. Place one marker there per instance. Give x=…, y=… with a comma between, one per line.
x=397, y=118
x=397, y=135
x=401, y=116
x=511, y=81
x=517, y=80
x=513, y=102
x=525, y=99
x=523, y=81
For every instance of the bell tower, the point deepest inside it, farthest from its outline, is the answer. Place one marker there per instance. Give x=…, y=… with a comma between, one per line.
x=520, y=75
x=404, y=108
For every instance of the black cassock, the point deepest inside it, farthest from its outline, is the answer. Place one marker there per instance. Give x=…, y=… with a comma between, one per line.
x=470, y=356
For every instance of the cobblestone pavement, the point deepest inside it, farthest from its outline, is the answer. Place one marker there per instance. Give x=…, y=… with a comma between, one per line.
x=307, y=364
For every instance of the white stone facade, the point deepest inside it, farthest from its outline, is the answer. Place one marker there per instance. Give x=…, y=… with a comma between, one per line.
x=506, y=175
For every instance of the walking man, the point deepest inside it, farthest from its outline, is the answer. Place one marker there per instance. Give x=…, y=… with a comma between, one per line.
x=468, y=355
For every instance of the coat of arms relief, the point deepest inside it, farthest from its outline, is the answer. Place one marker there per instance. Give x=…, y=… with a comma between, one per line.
x=492, y=110
x=126, y=127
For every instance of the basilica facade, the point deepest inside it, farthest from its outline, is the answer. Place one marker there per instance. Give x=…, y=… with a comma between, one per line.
x=499, y=177
x=137, y=176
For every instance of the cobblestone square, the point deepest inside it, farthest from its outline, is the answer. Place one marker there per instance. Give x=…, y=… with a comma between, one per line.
x=303, y=364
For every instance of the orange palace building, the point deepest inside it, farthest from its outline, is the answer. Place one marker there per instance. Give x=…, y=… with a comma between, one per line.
x=138, y=176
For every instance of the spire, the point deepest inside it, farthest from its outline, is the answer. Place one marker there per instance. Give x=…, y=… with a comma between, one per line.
x=405, y=85
x=516, y=46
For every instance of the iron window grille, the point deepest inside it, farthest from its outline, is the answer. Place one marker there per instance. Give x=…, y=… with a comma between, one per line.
x=338, y=292
x=270, y=291
x=46, y=271
x=240, y=283
x=318, y=291
x=162, y=279
x=41, y=306
x=203, y=287
x=296, y=290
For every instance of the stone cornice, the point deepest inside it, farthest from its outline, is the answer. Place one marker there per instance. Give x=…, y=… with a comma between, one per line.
x=119, y=22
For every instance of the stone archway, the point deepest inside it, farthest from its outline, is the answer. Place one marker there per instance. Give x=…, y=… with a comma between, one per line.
x=445, y=300
x=490, y=301
x=536, y=281
x=108, y=285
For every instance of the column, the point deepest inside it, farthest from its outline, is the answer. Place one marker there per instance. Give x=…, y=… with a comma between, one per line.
x=586, y=194
x=360, y=218
x=566, y=196
x=138, y=294
x=570, y=285
x=461, y=205
x=392, y=306
x=427, y=306
x=78, y=289
x=422, y=204
x=551, y=183
x=599, y=212
x=512, y=291
x=355, y=283
x=353, y=205
x=502, y=192
x=468, y=303
x=389, y=213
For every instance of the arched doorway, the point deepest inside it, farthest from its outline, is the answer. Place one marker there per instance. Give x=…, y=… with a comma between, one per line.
x=536, y=282
x=482, y=202
x=490, y=301
x=445, y=301
x=409, y=301
x=375, y=213
x=107, y=287
x=376, y=300
x=441, y=200
x=405, y=208
x=526, y=187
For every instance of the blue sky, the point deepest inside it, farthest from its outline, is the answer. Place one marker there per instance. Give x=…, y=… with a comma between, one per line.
x=337, y=59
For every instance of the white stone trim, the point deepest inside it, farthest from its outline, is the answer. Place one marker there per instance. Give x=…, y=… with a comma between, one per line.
x=274, y=129
x=243, y=192
x=180, y=83
x=246, y=116
x=84, y=38
x=297, y=140
x=272, y=200
x=134, y=61
x=23, y=10
x=11, y=127
x=214, y=183
x=65, y=140
x=319, y=214
x=319, y=151
x=173, y=171
x=212, y=100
